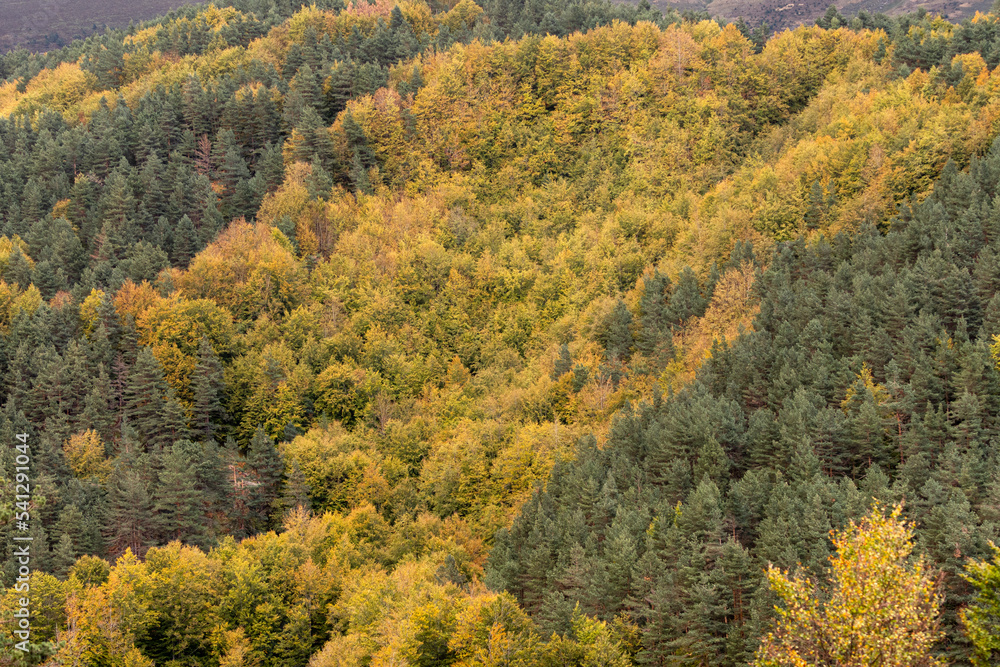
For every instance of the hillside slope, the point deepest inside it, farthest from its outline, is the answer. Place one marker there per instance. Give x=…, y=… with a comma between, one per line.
x=39, y=26
x=781, y=15
x=299, y=312
x=868, y=375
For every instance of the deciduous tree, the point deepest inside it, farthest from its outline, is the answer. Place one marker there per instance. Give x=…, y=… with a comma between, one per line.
x=880, y=608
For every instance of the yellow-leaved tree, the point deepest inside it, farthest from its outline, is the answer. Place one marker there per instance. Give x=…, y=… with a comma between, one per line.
x=982, y=617
x=84, y=452
x=880, y=606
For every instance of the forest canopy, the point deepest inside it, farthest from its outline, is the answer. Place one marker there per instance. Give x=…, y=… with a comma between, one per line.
x=536, y=333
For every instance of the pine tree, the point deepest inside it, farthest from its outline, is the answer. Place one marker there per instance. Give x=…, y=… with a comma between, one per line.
x=712, y=462
x=616, y=335
x=362, y=157
x=868, y=442
x=109, y=64
x=131, y=519
x=271, y=167
x=295, y=493
x=185, y=242
x=173, y=422
x=163, y=236
x=207, y=385
x=178, y=505
x=118, y=214
x=209, y=469
x=814, y=214
x=265, y=463
x=144, y=395
x=564, y=364
x=305, y=84
x=414, y=84
x=580, y=377
x=63, y=556
x=359, y=176
x=232, y=171
x=337, y=89
x=318, y=181
x=991, y=319
x=686, y=300
x=19, y=270
x=196, y=107
x=41, y=555
x=655, y=338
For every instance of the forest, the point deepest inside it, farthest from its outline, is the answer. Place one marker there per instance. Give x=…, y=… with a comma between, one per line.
x=526, y=333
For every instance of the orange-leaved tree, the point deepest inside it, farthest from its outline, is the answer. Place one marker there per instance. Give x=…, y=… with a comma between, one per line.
x=880, y=606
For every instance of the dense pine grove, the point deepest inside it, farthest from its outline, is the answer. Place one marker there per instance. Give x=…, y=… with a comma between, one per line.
x=523, y=333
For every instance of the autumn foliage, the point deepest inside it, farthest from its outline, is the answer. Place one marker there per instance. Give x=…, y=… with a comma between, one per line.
x=502, y=333
x=880, y=607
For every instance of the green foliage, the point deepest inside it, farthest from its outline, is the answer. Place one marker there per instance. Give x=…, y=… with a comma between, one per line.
x=400, y=264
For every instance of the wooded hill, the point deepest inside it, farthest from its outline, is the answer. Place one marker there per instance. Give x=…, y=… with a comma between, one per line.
x=41, y=26
x=402, y=334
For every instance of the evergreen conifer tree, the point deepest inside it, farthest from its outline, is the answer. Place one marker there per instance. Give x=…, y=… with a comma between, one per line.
x=178, y=504
x=185, y=242
x=144, y=395
x=131, y=519
x=63, y=556
x=564, y=364
x=617, y=332
x=265, y=463
x=207, y=386
x=686, y=300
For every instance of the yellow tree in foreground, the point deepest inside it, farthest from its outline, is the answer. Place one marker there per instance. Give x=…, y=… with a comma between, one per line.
x=879, y=608
x=982, y=617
